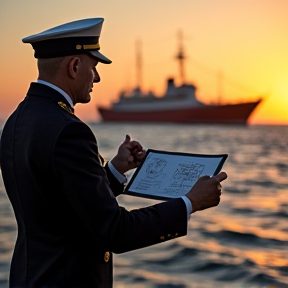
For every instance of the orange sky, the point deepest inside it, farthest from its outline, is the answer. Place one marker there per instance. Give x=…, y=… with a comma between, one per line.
x=246, y=40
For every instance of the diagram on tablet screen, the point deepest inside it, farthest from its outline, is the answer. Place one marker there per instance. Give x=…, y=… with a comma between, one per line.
x=185, y=177
x=172, y=179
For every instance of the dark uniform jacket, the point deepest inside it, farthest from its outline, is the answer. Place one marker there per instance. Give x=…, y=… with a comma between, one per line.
x=69, y=221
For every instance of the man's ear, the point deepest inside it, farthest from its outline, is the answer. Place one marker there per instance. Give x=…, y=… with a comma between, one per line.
x=73, y=67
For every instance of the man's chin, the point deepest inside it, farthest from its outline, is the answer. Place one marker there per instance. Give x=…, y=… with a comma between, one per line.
x=86, y=100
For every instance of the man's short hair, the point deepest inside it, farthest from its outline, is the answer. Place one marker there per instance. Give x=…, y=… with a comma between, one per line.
x=49, y=66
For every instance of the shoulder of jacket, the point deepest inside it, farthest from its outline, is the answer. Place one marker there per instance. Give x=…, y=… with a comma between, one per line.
x=76, y=127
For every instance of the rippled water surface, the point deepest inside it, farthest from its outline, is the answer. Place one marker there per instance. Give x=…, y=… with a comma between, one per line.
x=241, y=243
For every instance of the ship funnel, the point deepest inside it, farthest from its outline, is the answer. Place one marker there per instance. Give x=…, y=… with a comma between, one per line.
x=170, y=87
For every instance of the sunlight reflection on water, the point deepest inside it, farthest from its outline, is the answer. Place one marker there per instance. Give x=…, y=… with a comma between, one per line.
x=241, y=243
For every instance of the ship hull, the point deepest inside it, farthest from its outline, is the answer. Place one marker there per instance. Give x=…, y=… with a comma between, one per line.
x=208, y=114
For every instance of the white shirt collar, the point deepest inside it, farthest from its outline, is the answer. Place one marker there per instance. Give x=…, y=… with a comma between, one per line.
x=63, y=93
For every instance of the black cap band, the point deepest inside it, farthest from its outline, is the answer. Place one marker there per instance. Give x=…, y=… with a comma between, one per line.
x=65, y=47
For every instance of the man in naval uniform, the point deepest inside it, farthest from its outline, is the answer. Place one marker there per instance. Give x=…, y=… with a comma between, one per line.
x=63, y=195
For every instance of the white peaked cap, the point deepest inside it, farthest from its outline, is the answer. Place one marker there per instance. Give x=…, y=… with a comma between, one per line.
x=77, y=37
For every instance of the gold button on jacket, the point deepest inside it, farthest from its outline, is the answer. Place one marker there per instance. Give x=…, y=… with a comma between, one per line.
x=106, y=256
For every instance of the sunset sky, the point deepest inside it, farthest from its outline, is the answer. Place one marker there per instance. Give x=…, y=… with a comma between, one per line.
x=245, y=41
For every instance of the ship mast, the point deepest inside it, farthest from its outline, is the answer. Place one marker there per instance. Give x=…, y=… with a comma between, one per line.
x=181, y=57
x=138, y=65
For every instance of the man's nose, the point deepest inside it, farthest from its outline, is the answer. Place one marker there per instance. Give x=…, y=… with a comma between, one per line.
x=96, y=78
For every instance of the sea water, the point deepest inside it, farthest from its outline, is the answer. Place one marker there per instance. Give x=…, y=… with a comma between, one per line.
x=241, y=243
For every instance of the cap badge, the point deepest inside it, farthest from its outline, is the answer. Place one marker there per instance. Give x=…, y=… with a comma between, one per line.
x=88, y=46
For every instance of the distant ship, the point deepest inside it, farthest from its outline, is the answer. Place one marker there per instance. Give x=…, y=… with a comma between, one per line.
x=178, y=105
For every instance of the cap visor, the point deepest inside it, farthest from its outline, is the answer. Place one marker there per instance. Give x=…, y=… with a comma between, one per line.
x=100, y=57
